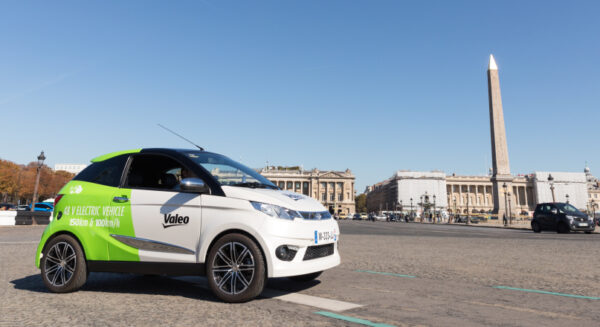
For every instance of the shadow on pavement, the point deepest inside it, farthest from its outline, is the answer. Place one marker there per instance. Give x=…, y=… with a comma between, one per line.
x=126, y=283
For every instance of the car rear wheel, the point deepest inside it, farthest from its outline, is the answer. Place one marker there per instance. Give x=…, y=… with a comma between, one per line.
x=563, y=228
x=63, y=265
x=306, y=278
x=236, y=269
x=535, y=226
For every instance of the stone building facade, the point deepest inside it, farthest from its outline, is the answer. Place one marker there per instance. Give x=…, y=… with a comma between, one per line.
x=474, y=194
x=334, y=189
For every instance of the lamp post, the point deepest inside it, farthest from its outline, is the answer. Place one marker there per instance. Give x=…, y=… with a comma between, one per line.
x=551, y=181
x=594, y=211
x=468, y=199
x=422, y=209
x=567, y=196
x=509, y=210
x=411, y=208
x=505, y=188
x=401, y=208
x=434, y=216
x=454, y=207
x=40, y=162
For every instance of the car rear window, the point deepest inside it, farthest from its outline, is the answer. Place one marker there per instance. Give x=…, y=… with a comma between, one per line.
x=107, y=172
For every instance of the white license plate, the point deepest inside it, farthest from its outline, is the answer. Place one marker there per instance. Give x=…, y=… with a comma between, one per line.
x=321, y=237
x=583, y=225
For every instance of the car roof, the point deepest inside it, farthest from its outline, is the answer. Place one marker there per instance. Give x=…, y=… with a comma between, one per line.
x=142, y=150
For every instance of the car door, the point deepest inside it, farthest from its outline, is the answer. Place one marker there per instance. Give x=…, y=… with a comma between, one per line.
x=164, y=221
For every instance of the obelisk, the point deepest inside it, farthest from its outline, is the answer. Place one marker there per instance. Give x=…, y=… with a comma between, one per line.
x=501, y=169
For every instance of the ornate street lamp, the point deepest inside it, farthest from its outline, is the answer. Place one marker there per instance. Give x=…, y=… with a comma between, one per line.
x=422, y=208
x=551, y=181
x=455, y=208
x=594, y=211
x=509, y=210
x=505, y=188
x=40, y=162
x=468, y=199
x=567, y=196
x=434, y=217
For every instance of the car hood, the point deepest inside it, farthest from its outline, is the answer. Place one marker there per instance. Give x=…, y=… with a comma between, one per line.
x=287, y=199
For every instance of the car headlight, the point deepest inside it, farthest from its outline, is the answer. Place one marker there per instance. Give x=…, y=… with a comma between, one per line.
x=276, y=211
x=571, y=217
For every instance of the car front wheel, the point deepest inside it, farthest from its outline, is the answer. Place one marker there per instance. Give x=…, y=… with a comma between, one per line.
x=535, y=226
x=235, y=269
x=63, y=265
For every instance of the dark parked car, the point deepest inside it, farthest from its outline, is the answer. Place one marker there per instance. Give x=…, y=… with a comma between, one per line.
x=356, y=216
x=560, y=217
x=7, y=206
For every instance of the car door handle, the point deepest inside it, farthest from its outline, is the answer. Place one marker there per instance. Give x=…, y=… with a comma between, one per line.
x=120, y=199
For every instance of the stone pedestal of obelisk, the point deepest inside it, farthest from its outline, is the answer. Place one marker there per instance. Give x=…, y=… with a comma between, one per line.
x=501, y=169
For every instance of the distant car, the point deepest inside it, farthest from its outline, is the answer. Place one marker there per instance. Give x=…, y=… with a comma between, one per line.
x=7, y=206
x=463, y=219
x=380, y=217
x=560, y=217
x=22, y=207
x=342, y=216
x=357, y=216
x=41, y=206
x=363, y=216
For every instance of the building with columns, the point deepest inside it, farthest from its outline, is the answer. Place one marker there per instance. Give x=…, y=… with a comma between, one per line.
x=334, y=189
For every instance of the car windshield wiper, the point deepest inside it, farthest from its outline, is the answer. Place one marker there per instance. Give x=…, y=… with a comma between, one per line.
x=254, y=185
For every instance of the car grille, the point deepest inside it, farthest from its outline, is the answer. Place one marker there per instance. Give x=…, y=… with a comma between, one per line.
x=580, y=219
x=318, y=251
x=316, y=215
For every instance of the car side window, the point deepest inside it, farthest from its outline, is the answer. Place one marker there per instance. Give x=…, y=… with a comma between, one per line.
x=107, y=172
x=153, y=171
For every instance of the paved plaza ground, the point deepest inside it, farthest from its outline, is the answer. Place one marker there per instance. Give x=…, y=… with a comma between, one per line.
x=395, y=273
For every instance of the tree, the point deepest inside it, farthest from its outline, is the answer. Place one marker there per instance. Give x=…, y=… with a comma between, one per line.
x=361, y=202
x=17, y=181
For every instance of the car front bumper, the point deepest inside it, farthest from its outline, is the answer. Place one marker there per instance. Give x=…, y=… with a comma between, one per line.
x=301, y=233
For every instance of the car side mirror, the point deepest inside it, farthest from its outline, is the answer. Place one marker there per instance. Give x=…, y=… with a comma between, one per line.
x=554, y=211
x=193, y=185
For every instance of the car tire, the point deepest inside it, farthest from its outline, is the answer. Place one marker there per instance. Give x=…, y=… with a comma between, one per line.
x=562, y=228
x=535, y=226
x=63, y=265
x=238, y=280
x=588, y=231
x=306, y=278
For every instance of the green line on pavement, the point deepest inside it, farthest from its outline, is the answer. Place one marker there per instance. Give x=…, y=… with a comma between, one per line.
x=546, y=292
x=386, y=273
x=352, y=319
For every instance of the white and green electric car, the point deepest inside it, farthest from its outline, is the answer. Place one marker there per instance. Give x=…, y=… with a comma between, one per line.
x=184, y=212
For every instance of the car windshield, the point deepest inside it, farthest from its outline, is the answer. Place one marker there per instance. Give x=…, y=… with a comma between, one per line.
x=228, y=172
x=567, y=208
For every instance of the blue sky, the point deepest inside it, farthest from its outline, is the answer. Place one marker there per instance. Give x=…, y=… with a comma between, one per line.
x=374, y=86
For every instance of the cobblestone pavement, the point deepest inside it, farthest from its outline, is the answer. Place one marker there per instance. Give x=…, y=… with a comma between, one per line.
x=401, y=274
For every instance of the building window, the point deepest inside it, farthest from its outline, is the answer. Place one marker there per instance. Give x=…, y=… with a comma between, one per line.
x=323, y=197
x=340, y=186
x=305, y=188
x=297, y=186
x=332, y=197
x=331, y=186
x=341, y=197
x=281, y=185
x=289, y=185
x=323, y=185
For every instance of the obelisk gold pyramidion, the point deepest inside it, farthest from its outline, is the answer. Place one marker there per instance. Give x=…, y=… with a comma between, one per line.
x=501, y=168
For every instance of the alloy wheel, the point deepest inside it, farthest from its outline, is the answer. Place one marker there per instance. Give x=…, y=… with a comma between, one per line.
x=233, y=268
x=60, y=264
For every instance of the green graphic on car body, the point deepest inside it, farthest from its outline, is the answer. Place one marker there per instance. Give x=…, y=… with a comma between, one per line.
x=93, y=223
